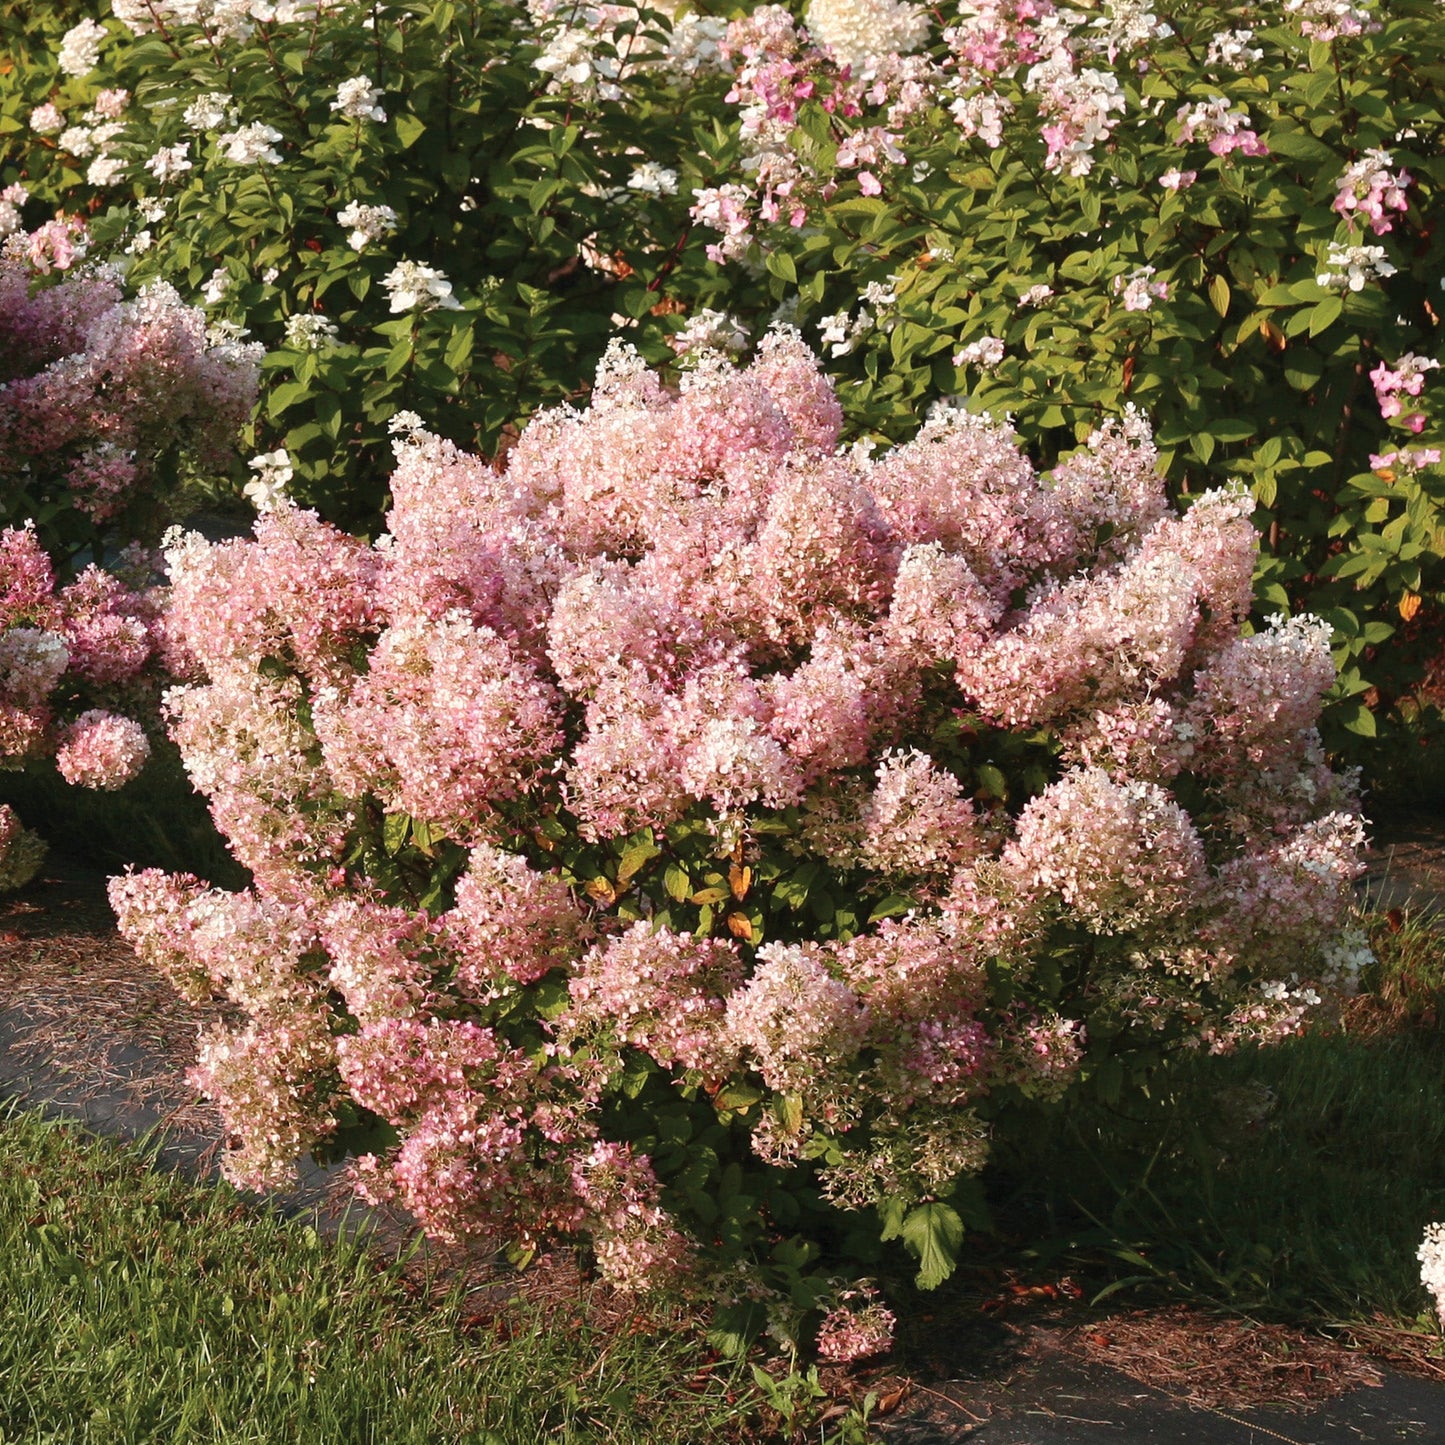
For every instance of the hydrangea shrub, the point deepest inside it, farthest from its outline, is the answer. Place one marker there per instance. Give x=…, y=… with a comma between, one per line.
x=105, y=398
x=697, y=836
x=431, y=206
x=77, y=670
x=1230, y=218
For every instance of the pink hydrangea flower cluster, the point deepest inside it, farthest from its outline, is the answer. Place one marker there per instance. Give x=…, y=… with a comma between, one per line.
x=1406, y=378
x=464, y=762
x=95, y=389
x=91, y=641
x=1369, y=188
x=21, y=851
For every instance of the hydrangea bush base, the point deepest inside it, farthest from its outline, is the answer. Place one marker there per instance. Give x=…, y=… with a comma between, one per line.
x=695, y=836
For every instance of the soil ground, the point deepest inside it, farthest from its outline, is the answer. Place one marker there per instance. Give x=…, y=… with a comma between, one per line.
x=88, y=1032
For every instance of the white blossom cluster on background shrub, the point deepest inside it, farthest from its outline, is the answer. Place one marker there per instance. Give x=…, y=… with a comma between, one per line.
x=694, y=831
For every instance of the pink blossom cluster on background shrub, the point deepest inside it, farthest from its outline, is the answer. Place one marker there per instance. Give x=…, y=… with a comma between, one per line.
x=75, y=662
x=695, y=835
x=102, y=396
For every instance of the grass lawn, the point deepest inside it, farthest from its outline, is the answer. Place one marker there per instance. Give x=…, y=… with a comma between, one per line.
x=137, y=1307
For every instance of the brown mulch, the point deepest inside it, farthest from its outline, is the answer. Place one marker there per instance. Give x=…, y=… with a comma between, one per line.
x=1219, y=1363
x=75, y=992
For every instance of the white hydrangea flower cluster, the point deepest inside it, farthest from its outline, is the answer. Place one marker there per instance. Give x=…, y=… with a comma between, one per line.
x=367, y=223
x=1431, y=1255
x=861, y=33
x=252, y=145
x=268, y=488
x=357, y=99
x=310, y=331
x=1350, y=268
x=80, y=48
x=414, y=287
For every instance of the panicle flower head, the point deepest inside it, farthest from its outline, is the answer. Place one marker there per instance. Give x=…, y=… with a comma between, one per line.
x=1117, y=855
x=1351, y=268
x=411, y=286
x=80, y=48
x=251, y=145
x=1369, y=188
x=857, y=1328
x=793, y=1020
x=102, y=750
x=356, y=99
x=1431, y=1255
x=21, y=851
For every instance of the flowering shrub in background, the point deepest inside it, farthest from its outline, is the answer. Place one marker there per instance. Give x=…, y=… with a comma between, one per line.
x=1229, y=217
x=696, y=836
x=431, y=206
x=75, y=666
x=103, y=399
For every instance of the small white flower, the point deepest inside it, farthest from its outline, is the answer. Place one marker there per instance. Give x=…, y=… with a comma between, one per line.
x=310, y=331
x=1138, y=291
x=717, y=332
x=251, y=145
x=270, y=275
x=140, y=243
x=1350, y=267
x=273, y=471
x=356, y=99
x=169, y=162
x=1036, y=295
x=210, y=112
x=105, y=171
x=653, y=180
x=881, y=294
x=80, y=48
x=46, y=120
x=79, y=140
x=985, y=353
x=217, y=286
x=367, y=223
x=414, y=287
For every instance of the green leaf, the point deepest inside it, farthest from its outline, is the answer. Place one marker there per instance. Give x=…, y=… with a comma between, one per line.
x=1219, y=294
x=635, y=856
x=891, y=907
x=933, y=1235
x=737, y=1097
x=409, y=129
x=993, y=782
x=780, y=263
x=394, y=832
x=1355, y=717
x=1325, y=314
